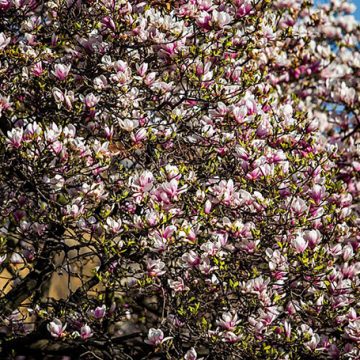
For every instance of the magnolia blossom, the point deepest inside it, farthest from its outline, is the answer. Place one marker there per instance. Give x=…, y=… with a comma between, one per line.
x=99, y=312
x=221, y=18
x=128, y=125
x=313, y=343
x=298, y=206
x=178, y=285
x=156, y=337
x=100, y=83
x=56, y=328
x=91, y=100
x=228, y=321
x=85, y=332
x=142, y=184
x=313, y=237
x=287, y=327
x=191, y=354
x=258, y=285
x=58, y=96
x=61, y=71
x=299, y=243
x=4, y=103
x=37, y=69
x=190, y=259
x=317, y=193
x=139, y=136
x=348, y=252
x=4, y=41
x=15, y=137
x=155, y=267
x=2, y=258
x=168, y=192
x=230, y=337
x=207, y=207
x=142, y=69
x=224, y=192
x=353, y=330
x=113, y=225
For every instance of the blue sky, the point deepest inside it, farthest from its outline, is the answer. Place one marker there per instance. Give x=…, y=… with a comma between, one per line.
x=356, y=2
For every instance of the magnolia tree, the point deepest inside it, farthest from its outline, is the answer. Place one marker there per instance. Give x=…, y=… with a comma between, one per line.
x=179, y=179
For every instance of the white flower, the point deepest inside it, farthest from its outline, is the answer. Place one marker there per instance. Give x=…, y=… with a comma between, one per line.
x=156, y=337
x=56, y=328
x=299, y=244
x=128, y=125
x=85, y=332
x=221, y=18
x=4, y=41
x=2, y=258
x=191, y=355
x=91, y=100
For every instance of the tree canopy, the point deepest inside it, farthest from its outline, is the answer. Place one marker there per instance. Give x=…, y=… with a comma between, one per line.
x=179, y=179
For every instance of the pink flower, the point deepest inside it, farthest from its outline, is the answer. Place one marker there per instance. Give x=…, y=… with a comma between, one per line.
x=142, y=69
x=230, y=337
x=317, y=193
x=313, y=343
x=69, y=98
x=169, y=191
x=240, y=113
x=56, y=328
x=5, y=4
x=142, y=184
x=4, y=41
x=4, y=103
x=113, y=225
x=204, y=20
x=348, y=252
x=228, y=321
x=91, y=100
x=258, y=285
x=177, y=286
x=190, y=259
x=85, y=332
x=100, y=82
x=207, y=208
x=155, y=267
x=61, y=71
x=109, y=23
x=211, y=248
x=313, y=237
x=249, y=246
x=139, y=136
x=15, y=137
x=287, y=327
x=128, y=125
x=254, y=175
x=156, y=337
x=58, y=96
x=244, y=7
x=37, y=69
x=190, y=354
x=299, y=206
x=299, y=244
x=2, y=258
x=99, y=312
x=224, y=192
x=221, y=18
